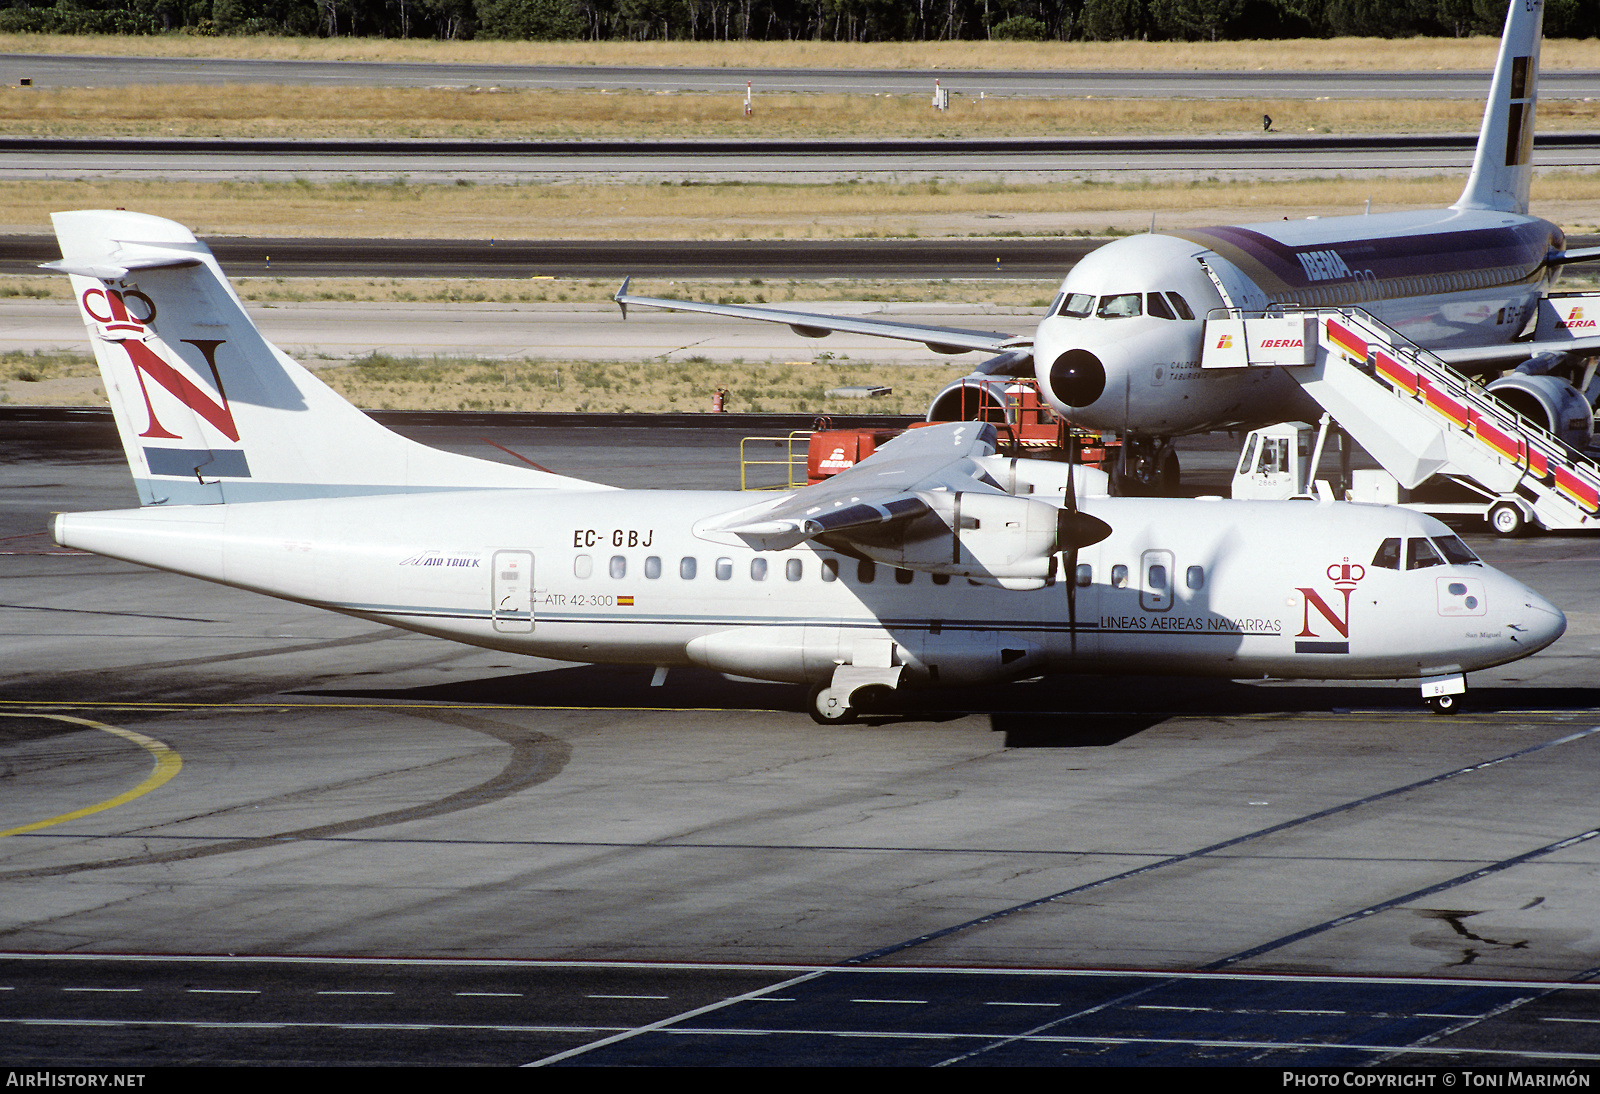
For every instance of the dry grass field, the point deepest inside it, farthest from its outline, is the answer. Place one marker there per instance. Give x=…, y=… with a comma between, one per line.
x=266, y=111
x=475, y=290
x=382, y=382
x=751, y=211
x=1338, y=54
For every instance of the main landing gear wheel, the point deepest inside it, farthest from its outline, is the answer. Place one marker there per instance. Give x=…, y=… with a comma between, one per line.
x=827, y=709
x=1506, y=519
x=1445, y=704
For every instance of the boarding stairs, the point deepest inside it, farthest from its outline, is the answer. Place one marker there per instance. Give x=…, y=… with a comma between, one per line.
x=1416, y=415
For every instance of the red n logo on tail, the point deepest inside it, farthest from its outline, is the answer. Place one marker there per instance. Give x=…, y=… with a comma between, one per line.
x=147, y=363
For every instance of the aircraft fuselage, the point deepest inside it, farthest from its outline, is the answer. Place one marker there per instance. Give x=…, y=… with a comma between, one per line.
x=1233, y=589
x=1121, y=345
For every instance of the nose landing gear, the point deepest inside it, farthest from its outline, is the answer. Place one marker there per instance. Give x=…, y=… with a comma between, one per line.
x=1444, y=693
x=1148, y=469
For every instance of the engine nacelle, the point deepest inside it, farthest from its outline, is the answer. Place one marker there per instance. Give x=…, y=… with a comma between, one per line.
x=969, y=399
x=1548, y=401
x=970, y=534
x=1044, y=478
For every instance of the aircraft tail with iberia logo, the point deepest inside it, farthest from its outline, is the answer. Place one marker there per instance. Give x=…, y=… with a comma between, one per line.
x=211, y=412
x=1502, y=170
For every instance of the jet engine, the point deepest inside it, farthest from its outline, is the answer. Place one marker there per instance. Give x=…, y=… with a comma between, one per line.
x=1548, y=401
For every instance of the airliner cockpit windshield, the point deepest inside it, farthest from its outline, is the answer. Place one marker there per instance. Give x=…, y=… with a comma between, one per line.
x=1168, y=305
x=1420, y=553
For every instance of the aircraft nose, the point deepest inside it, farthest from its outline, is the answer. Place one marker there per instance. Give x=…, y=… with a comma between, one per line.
x=1077, y=377
x=1538, y=622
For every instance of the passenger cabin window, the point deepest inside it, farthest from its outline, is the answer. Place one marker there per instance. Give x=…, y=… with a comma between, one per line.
x=1122, y=306
x=1420, y=554
x=1388, y=556
x=1077, y=306
x=1085, y=575
x=794, y=569
x=652, y=567
x=830, y=569
x=941, y=579
x=903, y=577
x=1195, y=577
x=866, y=570
x=582, y=566
x=1119, y=576
x=1157, y=305
x=758, y=569
x=687, y=568
x=724, y=569
x=619, y=566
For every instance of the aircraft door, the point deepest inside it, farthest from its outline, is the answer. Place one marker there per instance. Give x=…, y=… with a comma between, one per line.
x=1155, y=581
x=511, y=592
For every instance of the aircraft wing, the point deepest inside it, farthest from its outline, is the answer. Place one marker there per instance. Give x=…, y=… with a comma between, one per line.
x=921, y=502
x=1480, y=359
x=1574, y=254
x=815, y=325
x=877, y=491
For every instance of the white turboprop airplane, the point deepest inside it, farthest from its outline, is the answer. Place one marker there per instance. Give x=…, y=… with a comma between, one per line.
x=933, y=562
x=1120, y=348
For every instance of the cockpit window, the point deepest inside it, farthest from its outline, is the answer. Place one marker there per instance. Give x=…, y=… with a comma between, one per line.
x=1388, y=556
x=1156, y=305
x=1077, y=305
x=1123, y=306
x=1181, y=306
x=1456, y=552
x=1420, y=554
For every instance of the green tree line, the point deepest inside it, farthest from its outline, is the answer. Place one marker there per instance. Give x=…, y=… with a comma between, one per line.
x=821, y=20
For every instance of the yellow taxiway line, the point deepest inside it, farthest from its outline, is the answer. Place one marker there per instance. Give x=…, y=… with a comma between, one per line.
x=167, y=764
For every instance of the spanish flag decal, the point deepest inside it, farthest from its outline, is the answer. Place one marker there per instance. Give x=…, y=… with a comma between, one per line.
x=624, y=601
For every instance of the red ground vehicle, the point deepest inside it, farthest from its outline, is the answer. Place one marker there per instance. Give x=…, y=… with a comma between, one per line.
x=1026, y=424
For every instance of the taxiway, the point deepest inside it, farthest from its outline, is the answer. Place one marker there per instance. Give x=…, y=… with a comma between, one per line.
x=585, y=864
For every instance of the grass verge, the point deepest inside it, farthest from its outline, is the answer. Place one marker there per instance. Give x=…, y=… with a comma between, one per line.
x=383, y=382
x=1030, y=293
x=402, y=209
x=272, y=111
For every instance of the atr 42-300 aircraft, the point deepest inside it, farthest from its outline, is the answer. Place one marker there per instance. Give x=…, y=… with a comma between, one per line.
x=933, y=562
x=1120, y=348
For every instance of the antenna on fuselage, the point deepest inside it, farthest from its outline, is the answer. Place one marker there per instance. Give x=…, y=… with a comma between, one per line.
x=1502, y=169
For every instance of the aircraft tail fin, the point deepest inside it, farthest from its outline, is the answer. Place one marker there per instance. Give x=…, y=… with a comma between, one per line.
x=208, y=410
x=1503, y=167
